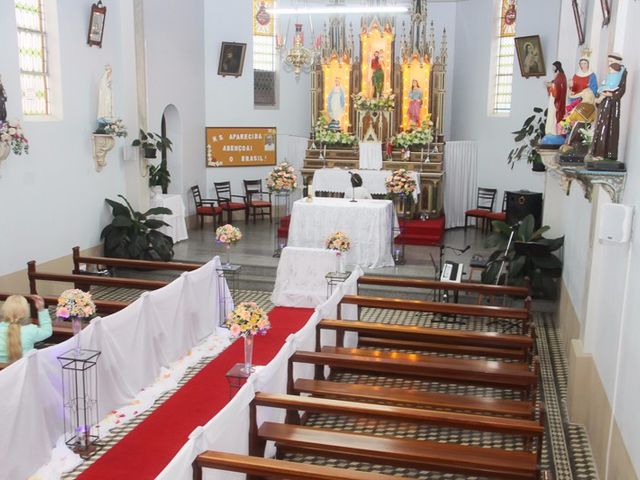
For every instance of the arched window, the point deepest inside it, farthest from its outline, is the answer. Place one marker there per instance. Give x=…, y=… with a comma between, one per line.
x=33, y=54
x=504, y=57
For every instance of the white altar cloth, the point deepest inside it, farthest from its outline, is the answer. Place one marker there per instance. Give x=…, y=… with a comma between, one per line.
x=370, y=155
x=300, y=281
x=369, y=224
x=339, y=180
x=178, y=225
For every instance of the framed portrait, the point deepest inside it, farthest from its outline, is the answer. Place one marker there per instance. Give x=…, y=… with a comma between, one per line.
x=96, y=24
x=231, y=59
x=606, y=12
x=530, y=57
x=577, y=16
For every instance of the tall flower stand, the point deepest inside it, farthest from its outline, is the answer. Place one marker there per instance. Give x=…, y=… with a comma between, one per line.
x=282, y=209
x=402, y=205
x=80, y=400
x=228, y=276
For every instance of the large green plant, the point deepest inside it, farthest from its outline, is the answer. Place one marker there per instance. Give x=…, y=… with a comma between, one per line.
x=542, y=271
x=527, y=138
x=152, y=142
x=159, y=176
x=134, y=235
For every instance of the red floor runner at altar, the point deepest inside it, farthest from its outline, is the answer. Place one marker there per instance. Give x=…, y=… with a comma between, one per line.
x=149, y=447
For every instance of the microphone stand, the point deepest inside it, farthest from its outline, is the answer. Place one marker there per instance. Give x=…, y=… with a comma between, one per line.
x=440, y=318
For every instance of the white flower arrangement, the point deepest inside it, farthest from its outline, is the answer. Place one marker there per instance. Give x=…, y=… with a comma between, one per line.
x=400, y=182
x=116, y=127
x=75, y=303
x=385, y=103
x=11, y=134
x=248, y=319
x=228, y=234
x=326, y=136
x=282, y=178
x=338, y=242
x=416, y=137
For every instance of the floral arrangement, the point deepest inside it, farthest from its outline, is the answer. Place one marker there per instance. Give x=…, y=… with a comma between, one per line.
x=384, y=103
x=339, y=242
x=417, y=136
x=282, y=178
x=400, y=182
x=247, y=319
x=115, y=127
x=327, y=136
x=228, y=234
x=75, y=303
x=11, y=134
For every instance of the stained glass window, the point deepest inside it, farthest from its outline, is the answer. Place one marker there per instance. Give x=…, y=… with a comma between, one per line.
x=264, y=52
x=504, y=56
x=32, y=46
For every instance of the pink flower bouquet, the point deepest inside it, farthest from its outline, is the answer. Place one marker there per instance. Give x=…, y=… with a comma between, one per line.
x=248, y=319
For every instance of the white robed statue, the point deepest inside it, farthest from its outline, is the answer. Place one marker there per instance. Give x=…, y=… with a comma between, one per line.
x=105, y=96
x=336, y=103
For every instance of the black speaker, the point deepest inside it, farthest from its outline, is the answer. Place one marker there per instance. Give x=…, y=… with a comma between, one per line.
x=523, y=203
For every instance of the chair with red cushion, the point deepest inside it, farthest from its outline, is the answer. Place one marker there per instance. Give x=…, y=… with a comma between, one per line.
x=484, y=205
x=206, y=207
x=501, y=216
x=225, y=200
x=258, y=202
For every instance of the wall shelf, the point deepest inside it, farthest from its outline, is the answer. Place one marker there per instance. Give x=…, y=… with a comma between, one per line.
x=612, y=182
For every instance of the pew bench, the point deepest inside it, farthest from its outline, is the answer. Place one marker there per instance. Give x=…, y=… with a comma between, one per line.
x=520, y=315
x=276, y=469
x=512, y=376
x=439, y=340
x=415, y=398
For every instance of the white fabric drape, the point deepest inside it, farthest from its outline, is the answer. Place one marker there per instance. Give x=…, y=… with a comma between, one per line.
x=337, y=180
x=228, y=430
x=300, y=280
x=368, y=223
x=135, y=343
x=295, y=151
x=460, y=181
x=177, y=228
x=370, y=155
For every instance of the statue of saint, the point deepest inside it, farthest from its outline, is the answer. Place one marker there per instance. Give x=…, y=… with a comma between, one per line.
x=607, y=128
x=377, y=74
x=336, y=104
x=583, y=86
x=3, y=103
x=105, y=97
x=557, y=99
x=415, y=103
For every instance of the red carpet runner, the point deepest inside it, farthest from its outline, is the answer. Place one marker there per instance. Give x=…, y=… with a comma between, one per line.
x=149, y=447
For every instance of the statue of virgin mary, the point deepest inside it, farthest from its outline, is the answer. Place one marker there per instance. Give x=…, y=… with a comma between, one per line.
x=105, y=97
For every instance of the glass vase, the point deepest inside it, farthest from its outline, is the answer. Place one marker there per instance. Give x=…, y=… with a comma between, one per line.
x=227, y=261
x=339, y=262
x=76, y=326
x=248, y=354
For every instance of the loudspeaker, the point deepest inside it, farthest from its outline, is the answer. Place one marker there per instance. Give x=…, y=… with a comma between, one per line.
x=615, y=223
x=523, y=203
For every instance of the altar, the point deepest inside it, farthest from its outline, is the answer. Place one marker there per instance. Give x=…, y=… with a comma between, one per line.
x=337, y=180
x=371, y=225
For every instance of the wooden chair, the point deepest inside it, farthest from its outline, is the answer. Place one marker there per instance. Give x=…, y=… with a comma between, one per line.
x=500, y=216
x=206, y=207
x=225, y=200
x=255, y=200
x=484, y=204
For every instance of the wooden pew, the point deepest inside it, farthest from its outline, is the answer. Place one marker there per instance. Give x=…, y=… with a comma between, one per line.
x=404, y=337
x=415, y=398
x=516, y=314
x=276, y=469
x=128, y=263
x=513, y=376
x=103, y=307
x=4, y=365
x=406, y=453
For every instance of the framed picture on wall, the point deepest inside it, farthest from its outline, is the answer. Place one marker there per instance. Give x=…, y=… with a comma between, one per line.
x=606, y=12
x=96, y=24
x=530, y=57
x=231, y=59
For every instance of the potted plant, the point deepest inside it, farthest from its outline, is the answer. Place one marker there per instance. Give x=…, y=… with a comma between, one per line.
x=542, y=270
x=134, y=235
x=151, y=143
x=159, y=176
x=527, y=138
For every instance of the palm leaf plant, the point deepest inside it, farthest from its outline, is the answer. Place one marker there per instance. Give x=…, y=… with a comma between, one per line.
x=542, y=271
x=135, y=235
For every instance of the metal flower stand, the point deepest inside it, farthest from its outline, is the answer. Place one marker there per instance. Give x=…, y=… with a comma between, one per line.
x=80, y=400
x=282, y=208
x=228, y=275
x=402, y=206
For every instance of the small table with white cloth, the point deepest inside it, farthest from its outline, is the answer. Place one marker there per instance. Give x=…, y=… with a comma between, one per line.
x=337, y=180
x=370, y=224
x=178, y=225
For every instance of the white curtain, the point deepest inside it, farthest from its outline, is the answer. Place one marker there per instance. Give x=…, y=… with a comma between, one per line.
x=295, y=151
x=460, y=182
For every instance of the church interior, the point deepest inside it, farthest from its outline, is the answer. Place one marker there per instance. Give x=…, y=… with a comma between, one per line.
x=319, y=239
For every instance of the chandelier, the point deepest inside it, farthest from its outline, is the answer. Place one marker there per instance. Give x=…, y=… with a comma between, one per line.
x=298, y=58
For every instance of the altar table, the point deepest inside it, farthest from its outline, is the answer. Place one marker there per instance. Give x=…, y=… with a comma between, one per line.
x=337, y=180
x=370, y=224
x=178, y=225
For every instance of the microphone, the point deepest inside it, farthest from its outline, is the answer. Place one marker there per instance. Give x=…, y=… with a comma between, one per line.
x=465, y=248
